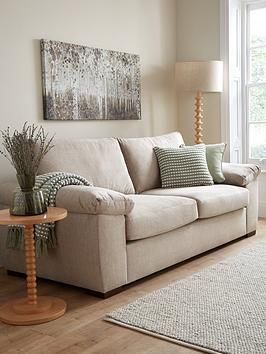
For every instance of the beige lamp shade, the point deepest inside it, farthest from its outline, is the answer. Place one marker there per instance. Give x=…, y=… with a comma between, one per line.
x=199, y=77
x=204, y=76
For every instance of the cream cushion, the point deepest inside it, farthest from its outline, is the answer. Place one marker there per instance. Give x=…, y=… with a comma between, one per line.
x=154, y=215
x=99, y=160
x=93, y=200
x=141, y=160
x=211, y=200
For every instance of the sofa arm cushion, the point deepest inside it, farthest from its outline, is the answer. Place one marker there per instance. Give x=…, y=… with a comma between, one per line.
x=240, y=174
x=93, y=200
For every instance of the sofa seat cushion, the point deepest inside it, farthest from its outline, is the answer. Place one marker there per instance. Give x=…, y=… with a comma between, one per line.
x=154, y=215
x=211, y=200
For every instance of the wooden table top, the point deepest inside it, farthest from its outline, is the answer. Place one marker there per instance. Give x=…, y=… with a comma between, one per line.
x=53, y=214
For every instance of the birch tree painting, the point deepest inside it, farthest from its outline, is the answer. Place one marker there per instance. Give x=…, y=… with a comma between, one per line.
x=83, y=83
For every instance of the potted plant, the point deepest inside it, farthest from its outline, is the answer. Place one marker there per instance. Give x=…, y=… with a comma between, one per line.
x=25, y=149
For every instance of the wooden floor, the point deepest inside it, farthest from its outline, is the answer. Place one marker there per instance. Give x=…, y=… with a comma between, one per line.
x=82, y=329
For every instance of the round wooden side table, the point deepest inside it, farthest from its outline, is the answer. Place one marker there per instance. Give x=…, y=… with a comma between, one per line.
x=32, y=309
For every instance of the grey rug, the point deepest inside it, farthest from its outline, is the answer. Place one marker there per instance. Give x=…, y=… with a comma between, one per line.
x=221, y=309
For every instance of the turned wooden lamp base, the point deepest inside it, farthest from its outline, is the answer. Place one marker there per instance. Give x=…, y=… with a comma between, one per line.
x=19, y=312
x=198, y=118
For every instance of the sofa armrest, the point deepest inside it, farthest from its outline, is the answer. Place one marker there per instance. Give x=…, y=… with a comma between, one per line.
x=240, y=174
x=93, y=200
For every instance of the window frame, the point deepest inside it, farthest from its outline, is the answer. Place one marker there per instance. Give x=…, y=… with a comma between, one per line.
x=248, y=6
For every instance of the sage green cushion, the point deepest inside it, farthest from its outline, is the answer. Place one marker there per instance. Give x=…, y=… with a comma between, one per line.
x=183, y=167
x=214, y=154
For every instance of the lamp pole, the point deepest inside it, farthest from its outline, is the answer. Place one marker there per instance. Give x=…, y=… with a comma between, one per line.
x=198, y=118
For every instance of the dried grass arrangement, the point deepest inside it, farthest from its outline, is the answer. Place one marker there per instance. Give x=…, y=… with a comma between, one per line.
x=24, y=150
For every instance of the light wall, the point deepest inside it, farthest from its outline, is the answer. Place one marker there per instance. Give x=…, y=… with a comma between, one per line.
x=144, y=27
x=198, y=38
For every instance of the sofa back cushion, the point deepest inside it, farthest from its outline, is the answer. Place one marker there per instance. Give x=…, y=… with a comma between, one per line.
x=99, y=160
x=141, y=160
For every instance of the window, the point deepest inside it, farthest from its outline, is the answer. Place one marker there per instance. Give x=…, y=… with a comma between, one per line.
x=254, y=81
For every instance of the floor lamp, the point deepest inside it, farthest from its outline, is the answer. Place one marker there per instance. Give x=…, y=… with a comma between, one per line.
x=199, y=77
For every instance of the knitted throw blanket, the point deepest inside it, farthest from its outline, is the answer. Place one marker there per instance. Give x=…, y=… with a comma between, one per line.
x=44, y=234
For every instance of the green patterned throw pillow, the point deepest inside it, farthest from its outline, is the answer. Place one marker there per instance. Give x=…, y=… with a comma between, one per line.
x=183, y=167
x=214, y=154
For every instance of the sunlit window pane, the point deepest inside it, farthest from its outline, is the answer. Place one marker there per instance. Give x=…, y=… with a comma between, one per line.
x=258, y=64
x=258, y=27
x=257, y=104
x=257, y=84
x=257, y=141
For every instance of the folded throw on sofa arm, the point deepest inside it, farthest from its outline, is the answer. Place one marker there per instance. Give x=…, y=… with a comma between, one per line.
x=240, y=174
x=94, y=200
x=44, y=234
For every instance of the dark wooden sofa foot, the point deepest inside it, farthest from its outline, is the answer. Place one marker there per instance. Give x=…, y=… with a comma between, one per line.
x=252, y=233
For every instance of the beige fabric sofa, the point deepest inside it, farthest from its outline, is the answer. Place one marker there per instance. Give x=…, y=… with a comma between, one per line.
x=126, y=226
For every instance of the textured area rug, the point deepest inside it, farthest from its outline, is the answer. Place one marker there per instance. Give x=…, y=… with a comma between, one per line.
x=221, y=309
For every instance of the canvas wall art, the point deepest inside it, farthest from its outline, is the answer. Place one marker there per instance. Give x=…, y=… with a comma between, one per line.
x=83, y=83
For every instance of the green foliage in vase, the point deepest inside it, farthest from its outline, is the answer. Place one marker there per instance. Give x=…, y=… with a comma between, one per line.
x=26, y=148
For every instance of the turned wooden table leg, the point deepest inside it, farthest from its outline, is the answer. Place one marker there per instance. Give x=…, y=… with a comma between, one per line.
x=31, y=310
x=30, y=264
